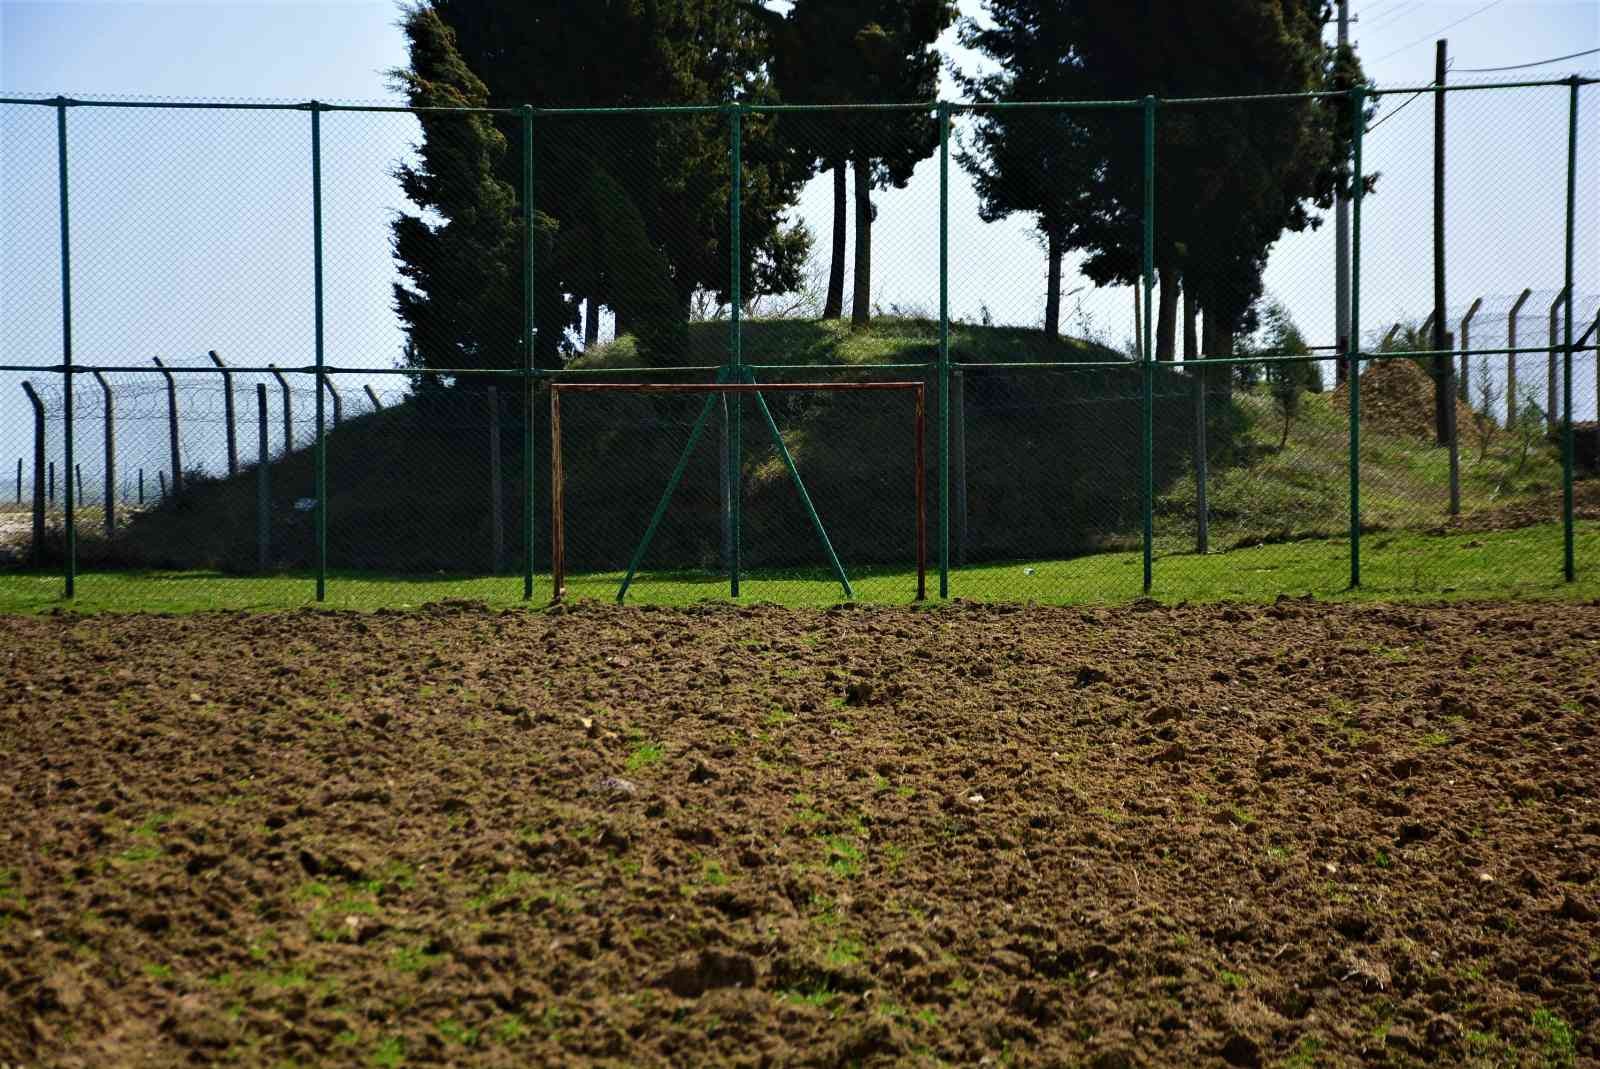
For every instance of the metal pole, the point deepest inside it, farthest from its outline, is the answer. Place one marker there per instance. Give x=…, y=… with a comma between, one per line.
x=1511, y=358
x=227, y=413
x=288, y=410
x=558, y=564
x=1358, y=108
x=1464, y=387
x=1443, y=367
x=38, y=472
x=666, y=495
x=172, y=429
x=1569, y=555
x=497, y=517
x=944, y=349
x=1147, y=398
x=921, y=494
x=805, y=498
x=316, y=270
x=736, y=338
x=1341, y=236
x=1451, y=421
x=111, y=457
x=263, y=483
x=528, y=439
x=71, y=574
x=372, y=395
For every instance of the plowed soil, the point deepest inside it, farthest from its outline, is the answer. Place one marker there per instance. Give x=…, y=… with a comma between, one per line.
x=1295, y=835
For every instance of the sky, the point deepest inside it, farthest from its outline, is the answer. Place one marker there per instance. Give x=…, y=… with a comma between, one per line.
x=191, y=229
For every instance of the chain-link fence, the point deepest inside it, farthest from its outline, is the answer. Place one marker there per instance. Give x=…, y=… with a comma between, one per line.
x=260, y=353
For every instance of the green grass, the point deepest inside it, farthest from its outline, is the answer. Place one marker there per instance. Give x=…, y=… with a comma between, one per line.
x=1524, y=563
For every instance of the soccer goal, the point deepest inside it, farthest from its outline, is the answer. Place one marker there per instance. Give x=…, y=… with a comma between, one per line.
x=717, y=395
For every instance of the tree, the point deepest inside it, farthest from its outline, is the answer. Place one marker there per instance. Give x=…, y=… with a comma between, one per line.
x=1230, y=177
x=859, y=52
x=655, y=189
x=1279, y=336
x=460, y=274
x=1035, y=161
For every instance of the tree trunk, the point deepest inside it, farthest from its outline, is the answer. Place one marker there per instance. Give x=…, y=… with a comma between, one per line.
x=861, y=300
x=1191, y=339
x=1052, y=300
x=841, y=229
x=591, y=322
x=1167, y=318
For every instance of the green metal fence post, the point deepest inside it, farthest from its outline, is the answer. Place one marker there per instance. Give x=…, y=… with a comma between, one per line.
x=71, y=567
x=316, y=273
x=944, y=350
x=1358, y=107
x=1569, y=556
x=528, y=439
x=1147, y=392
x=735, y=335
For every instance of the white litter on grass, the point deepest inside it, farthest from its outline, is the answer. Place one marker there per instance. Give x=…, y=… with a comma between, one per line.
x=305, y=504
x=1029, y=571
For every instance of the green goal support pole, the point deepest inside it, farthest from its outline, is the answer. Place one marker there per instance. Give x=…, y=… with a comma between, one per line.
x=1569, y=555
x=735, y=336
x=71, y=565
x=944, y=349
x=528, y=315
x=322, y=433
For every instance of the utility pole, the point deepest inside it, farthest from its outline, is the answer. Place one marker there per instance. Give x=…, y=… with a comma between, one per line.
x=1342, y=235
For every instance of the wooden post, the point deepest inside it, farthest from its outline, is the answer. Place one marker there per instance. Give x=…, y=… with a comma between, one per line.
x=497, y=524
x=377, y=405
x=161, y=476
x=227, y=413
x=172, y=430
x=111, y=457
x=263, y=483
x=38, y=472
x=958, y=461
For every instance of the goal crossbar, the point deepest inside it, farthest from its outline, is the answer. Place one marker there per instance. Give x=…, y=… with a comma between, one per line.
x=714, y=390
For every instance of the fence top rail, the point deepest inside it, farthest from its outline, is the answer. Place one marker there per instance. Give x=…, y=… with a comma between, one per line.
x=711, y=109
x=728, y=387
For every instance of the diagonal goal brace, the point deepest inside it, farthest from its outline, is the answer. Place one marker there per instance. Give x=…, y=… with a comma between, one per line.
x=715, y=391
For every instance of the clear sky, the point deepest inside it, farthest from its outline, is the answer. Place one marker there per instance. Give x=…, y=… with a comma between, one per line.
x=191, y=230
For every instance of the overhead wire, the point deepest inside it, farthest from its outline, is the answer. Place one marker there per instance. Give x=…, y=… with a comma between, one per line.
x=1442, y=29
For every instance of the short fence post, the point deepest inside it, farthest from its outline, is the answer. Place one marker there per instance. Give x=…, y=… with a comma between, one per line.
x=263, y=483
x=333, y=395
x=172, y=430
x=288, y=410
x=111, y=457
x=141, y=486
x=38, y=472
x=1552, y=410
x=227, y=413
x=377, y=405
x=161, y=477
x=77, y=470
x=497, y=529
x=1511, y=358
x=19, y=480
x=1464, y=386
x=1451, y=419
x=52, y=484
